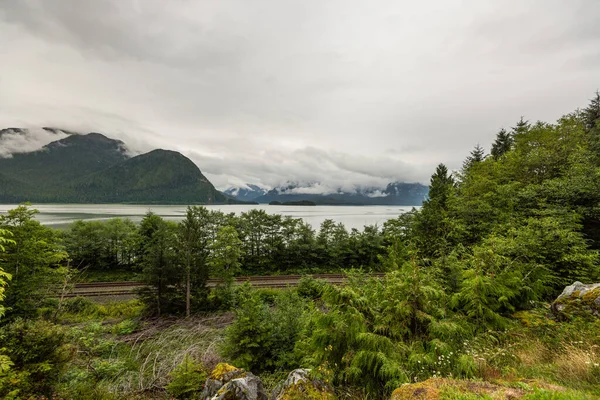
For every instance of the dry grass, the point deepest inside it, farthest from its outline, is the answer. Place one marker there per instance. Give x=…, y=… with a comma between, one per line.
x=572, y=362
x=578, y=364
x=163, y=344
x=534, y=353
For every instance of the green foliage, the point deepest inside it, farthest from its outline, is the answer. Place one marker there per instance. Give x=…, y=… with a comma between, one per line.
x=34, y=258
x=311, y=288
x=379, y=333
x=97, y=245
x=33, y=354
x=263, y=339
x=187, y=379
x=502, y=145
x=542, y=394
x=159, y=263
x=196, y=234
x=477, y=155
x=225, y=254
x=4, y=276
x=433, y=227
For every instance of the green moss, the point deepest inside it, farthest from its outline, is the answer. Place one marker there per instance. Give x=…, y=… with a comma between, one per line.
x=426, y=390
x=579, y=306
x=589, y=298
x=221, y=369
x=450, y=389
x=533, y=319
x=306, y=391
x=554, y=395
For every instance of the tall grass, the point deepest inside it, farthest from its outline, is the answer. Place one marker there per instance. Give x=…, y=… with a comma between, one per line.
x=162, y=346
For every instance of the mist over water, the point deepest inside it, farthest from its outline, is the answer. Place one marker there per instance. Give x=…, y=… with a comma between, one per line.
x=60, y=215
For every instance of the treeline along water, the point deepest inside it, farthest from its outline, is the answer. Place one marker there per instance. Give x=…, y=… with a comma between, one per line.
x=58, y=215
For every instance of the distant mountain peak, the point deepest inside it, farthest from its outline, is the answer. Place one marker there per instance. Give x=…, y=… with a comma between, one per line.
x=90, y=142
x=395, y=193
x=93, y=168
x=247, y=192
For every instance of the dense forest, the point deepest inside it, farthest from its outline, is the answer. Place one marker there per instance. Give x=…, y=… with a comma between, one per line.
x=469, y=279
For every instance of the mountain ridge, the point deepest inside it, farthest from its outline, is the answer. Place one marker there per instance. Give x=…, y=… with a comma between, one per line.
x=395, y=193
x=93, y=168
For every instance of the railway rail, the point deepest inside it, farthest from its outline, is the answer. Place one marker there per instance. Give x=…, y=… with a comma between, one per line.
x=95, y=289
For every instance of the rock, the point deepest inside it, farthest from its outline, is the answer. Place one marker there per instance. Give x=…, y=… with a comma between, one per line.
x=445, y=388
x=434, y=388
x=578, y=299
x=299, y=385
x=227, y=382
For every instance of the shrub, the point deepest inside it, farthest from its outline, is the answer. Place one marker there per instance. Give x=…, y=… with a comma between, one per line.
x=34, y=354
x=125, y=327
x=263, y=339
x=310, y=287
x=187, y=379
x=79, y=305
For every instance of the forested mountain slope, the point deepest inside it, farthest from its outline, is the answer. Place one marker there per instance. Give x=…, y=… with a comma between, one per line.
x=93, y=168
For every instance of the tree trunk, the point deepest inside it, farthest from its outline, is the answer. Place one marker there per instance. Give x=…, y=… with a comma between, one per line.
x=187, y=292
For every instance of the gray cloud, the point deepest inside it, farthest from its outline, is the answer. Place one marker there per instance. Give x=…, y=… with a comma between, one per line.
x=16, y=141
x=347, y=93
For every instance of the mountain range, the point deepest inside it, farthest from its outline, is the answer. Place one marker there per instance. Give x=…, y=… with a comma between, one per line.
x=395, y=193
x=92, y=168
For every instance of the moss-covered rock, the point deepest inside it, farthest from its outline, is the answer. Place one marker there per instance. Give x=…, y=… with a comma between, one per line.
x=224, y=371
x=227, y=382
x=578, y=300
x=300, y=386
x=435, y=388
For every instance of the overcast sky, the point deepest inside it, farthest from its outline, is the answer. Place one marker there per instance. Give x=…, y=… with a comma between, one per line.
x=345, y=92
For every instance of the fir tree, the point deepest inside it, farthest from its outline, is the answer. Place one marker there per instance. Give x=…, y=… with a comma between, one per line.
x=440, y=186
x=159, y=267
x=433, y=226
x=591, y=114
x=476, y=155
x=521, y=128
x=503, y=144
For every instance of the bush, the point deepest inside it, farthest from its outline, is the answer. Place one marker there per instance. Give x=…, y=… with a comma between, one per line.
x=263, y=339
x=35, y=354
x=125, y=327
x=311, y=288
x=79, y=305
x=187, y=379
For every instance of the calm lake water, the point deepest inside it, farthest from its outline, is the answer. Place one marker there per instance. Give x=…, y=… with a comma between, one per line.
x=351, y=216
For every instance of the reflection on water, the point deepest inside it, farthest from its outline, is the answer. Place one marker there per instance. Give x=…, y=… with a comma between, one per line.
x=351, y=216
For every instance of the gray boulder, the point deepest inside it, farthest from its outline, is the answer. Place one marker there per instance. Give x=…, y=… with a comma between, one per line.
x=299, y=385
x=227, y=382
x=578, y=299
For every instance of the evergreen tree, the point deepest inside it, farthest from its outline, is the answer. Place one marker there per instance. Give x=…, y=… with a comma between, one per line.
x=489, y=284
x=224, y=262
x=503, y=144
x=188, y=236
x=159, y=266
x=433, y=226
x=225, y=253
x=477, y=155
x=521, y=128
x=591, y=114
x=440, y=187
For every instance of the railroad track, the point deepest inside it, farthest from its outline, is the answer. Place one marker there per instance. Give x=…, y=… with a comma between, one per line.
x=95, y=289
